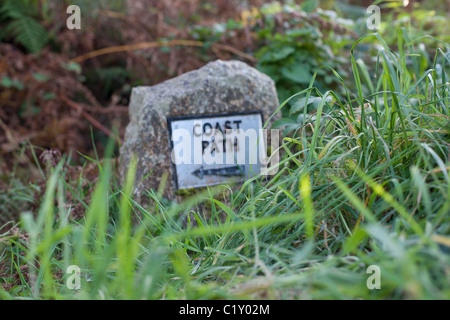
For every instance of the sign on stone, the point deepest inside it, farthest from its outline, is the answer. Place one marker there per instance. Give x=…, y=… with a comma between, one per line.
x=220, y=95
x=210, y=150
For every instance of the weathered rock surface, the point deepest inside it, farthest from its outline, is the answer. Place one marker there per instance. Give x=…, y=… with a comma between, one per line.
x=217, y=88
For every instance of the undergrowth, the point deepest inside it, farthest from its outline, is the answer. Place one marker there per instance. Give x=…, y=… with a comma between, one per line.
x=364, y=181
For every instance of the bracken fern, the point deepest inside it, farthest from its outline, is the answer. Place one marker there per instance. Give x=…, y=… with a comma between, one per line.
x=20, y=23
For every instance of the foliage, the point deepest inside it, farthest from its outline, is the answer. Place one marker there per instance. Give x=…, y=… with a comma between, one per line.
x=364, y=182
x=292, y=54
x=418, y=22
x=291, y=42
x=20, y=20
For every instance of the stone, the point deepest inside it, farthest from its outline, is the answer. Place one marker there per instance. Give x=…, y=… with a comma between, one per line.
x=220, y=87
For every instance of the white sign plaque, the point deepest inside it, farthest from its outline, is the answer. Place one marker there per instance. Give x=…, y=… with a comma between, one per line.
x=215, y=149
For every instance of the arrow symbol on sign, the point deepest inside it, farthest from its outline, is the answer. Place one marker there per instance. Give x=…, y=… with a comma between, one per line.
x=226, y=172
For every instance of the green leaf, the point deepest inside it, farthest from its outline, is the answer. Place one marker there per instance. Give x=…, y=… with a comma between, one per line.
x=271, y=70
x=49, y=96
x=72, y=66
x=29, y=33
x=7, y=82
x=309, y=5
x=164, y=49
x=277, y=55
x=287, y=123
x=40, y=77
x=315, y=101
x=300, y=73
x=15, y=9
x=299, y=32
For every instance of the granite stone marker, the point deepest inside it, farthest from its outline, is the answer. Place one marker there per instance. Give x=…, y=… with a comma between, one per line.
x=202, y=128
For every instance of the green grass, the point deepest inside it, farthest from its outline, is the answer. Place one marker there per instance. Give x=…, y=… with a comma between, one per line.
x=358, y=186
